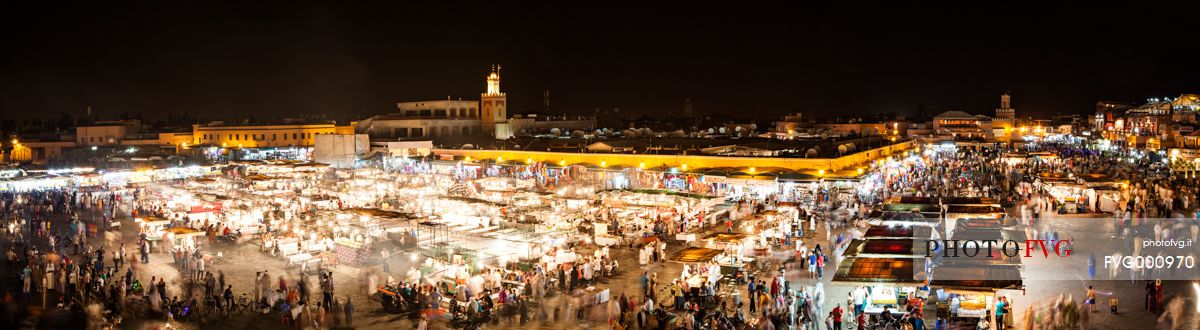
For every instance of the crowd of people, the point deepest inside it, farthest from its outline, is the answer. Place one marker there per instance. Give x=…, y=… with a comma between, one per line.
x=63, y=266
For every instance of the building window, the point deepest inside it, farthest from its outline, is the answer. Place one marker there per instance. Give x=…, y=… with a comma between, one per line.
x=417, y=132
x=294, y=136
x=439, y=113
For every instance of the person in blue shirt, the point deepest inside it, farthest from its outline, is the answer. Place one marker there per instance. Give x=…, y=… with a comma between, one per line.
x=644, y=281
x=812, y=264
x=1001, y=306
x=752, y=295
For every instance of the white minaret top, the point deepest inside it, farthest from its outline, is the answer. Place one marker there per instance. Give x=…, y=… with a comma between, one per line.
x=493, y=82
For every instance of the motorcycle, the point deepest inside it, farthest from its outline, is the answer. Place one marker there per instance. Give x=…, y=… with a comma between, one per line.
x=391, y=300
x=181, y=310
x=231, y=238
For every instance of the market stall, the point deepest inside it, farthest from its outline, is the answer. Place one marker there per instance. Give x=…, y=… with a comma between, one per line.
x=956, y=212
x=887, y=281
x=966, y=290
x=183, y=237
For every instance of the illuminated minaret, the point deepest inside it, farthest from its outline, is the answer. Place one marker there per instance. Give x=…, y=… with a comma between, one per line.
x=1006, y=111
x=493, y=103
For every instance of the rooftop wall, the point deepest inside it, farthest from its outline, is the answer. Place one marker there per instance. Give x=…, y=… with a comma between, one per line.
x=692, y=161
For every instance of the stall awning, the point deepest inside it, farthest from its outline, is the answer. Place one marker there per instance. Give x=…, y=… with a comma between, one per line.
x=376, y=213
x=181, y=232
x=977, y=277
x=695, y=254
x=916, y=217
x=977, y=235
x=904, y=232
x=863, y=271
x=970, y=201
x=974, y=209
x=726, y=237
x=905, y=207
x=884, y=248
x=151, y=220
x=978, y=224
x=911, y=200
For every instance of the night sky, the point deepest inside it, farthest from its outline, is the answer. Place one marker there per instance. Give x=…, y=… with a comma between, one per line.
x=352, y=59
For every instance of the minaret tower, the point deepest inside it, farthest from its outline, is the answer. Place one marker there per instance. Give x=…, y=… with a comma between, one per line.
x=1006, y=111
x=493, y=103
